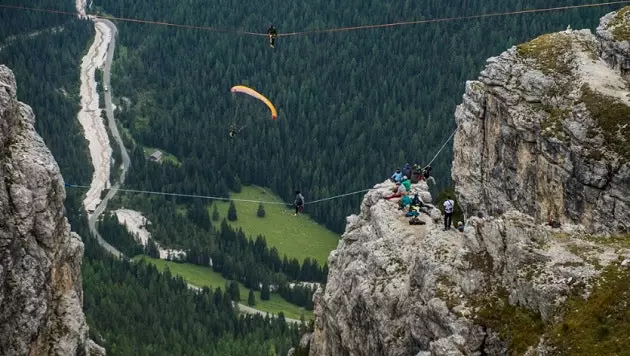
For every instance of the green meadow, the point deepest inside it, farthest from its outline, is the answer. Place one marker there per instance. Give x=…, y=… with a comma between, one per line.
x=201, y=276
x=298, y=237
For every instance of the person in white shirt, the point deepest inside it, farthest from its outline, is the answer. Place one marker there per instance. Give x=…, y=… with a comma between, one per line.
x=448, y=213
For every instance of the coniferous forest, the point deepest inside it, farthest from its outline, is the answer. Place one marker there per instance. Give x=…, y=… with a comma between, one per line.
x=352, y=107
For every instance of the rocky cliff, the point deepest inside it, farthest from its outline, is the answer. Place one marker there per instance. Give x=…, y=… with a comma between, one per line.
x=541, y=135
x=545, y=130
x=40, y=259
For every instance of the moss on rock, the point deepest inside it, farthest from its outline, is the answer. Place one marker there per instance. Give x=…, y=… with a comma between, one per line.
x=599, y=325
x=613, y=118
x=550, y=52
x=620, y=25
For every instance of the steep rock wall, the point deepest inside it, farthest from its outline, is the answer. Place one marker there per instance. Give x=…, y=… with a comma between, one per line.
x=40, y=259
x=544, y=131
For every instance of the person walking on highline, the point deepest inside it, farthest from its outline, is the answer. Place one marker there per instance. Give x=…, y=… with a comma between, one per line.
x=299, y=203
x=272, y=34
x=448, y=212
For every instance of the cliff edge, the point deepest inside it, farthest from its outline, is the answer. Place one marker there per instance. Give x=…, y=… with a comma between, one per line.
x=542, y=137
x=545, y=131
x=41, y=296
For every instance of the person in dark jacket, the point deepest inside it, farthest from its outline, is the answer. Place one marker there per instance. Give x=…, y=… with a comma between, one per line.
x=272, y=34
x=298, y=202
x=407, y=170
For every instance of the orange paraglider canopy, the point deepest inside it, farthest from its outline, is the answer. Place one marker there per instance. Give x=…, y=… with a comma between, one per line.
x=257, y=95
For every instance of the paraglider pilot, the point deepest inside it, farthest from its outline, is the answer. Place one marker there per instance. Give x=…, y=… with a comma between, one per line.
x=272, y=33
x=234, y=130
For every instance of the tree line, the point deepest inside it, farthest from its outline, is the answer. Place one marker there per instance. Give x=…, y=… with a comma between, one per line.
x=352, y=105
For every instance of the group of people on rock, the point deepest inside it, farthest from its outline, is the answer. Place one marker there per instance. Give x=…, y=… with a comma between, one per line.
x=415, y=204
x=403, y=191
x=415, y=174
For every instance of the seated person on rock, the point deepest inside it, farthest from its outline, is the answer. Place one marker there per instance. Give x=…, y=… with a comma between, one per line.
x=399, y=191
x=397, y=176
x=404, y=202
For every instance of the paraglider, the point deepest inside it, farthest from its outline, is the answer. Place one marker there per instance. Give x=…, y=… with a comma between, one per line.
x=249, y=91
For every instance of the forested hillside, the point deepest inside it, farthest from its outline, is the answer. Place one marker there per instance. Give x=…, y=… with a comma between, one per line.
x=131, y=309
x=352, y=105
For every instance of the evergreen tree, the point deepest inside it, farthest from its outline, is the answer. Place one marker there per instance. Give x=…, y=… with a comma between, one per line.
x=231, y=215
x=234, y=291
x=261, y=210
x=251, y=299
x=264, y=292
x=215, y=213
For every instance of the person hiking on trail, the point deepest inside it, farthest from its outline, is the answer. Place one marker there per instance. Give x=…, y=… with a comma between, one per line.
x=397, y=176
x=299, y=202
x=448, y=212
x=460, y=226
x=272, y=34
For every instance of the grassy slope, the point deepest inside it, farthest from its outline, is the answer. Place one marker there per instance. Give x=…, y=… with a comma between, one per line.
x=204, y=277
x=298, y=237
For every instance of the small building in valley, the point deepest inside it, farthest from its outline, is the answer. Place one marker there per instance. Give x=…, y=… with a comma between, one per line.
x=156, y=156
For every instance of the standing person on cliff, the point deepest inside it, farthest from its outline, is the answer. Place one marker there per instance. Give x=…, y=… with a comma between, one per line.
x=449, y=204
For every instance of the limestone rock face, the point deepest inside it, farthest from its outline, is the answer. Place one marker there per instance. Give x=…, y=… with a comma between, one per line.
x=545, y=131
x=400, y=289
x=543, y=134
x=614, y=34
x=40, y=259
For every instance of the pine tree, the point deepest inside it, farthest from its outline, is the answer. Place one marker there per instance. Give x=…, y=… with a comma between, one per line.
x=261, y=211
x=231, y=215
x=234, y=291
x=264, y=292
x=215, y=213
x=251, y=299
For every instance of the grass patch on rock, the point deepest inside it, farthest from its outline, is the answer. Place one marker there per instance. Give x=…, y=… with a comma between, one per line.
x=620, y=25
x=516, y=325
x=549, y=51
x=552, y=126
x=613, y=118
x=599, y=325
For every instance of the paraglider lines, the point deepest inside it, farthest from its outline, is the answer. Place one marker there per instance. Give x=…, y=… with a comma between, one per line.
x=329, y=30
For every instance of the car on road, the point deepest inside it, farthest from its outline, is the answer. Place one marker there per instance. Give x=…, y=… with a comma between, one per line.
x=106, y=88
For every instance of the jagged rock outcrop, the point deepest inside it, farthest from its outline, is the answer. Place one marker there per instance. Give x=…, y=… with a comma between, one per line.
x=614, y=34
x=400, y=289
x=542, y=134
x=545, y=131
x=41, y=296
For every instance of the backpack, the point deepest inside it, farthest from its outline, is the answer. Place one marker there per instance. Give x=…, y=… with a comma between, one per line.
x=416, y=221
